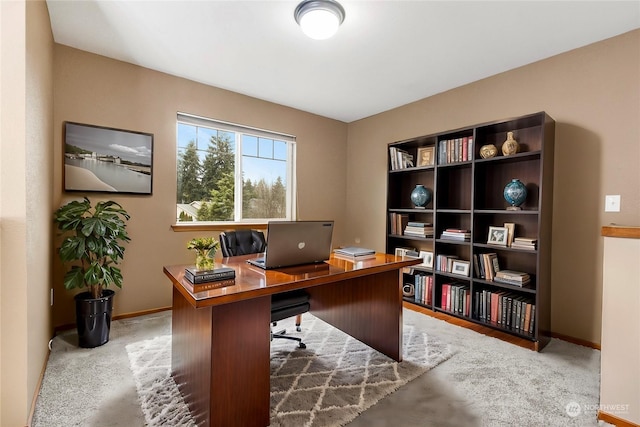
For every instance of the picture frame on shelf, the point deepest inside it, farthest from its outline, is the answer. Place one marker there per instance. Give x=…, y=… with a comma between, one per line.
x=402, y=252
x=427, y=258
x=497, y=236
x=460, y=268
x=426, y=156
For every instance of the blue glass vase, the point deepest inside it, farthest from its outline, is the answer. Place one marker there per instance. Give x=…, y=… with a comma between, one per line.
x=515, y=193
x=420, y=196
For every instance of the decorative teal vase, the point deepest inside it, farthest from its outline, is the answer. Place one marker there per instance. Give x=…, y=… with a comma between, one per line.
x=515, y=193
x=420, y=196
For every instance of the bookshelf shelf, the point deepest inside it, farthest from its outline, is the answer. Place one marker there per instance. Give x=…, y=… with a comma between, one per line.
x=467, y=194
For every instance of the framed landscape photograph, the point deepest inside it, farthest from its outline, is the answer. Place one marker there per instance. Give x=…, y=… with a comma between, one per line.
x=107, y=160
x=427, y=259
x=460, y=267
x=498, y=236
x=426, y=156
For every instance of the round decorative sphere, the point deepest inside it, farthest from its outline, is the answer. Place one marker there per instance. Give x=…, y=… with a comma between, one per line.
x=420, y=196
x=515, y=193
x=488, y=151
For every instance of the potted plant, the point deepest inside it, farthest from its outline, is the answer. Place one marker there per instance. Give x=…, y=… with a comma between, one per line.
x=92, y=246
x=205, y=248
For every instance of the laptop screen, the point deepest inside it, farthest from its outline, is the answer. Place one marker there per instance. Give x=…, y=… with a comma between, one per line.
x=297, y=242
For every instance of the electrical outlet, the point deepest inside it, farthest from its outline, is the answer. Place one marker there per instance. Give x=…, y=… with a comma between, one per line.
x=612, y=203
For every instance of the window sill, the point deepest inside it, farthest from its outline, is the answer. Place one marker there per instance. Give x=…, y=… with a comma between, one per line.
x=218, y=226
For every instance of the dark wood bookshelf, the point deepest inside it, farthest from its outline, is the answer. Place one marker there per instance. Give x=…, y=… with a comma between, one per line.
x=467, y=193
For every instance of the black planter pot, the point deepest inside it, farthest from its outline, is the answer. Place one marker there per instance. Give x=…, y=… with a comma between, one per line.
x=93, y=318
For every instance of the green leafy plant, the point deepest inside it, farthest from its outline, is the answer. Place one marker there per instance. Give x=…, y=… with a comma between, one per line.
x=93, y=243
x=205, y=248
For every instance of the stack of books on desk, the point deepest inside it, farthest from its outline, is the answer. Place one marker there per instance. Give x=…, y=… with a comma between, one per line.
x=419, y=229
x=456, y=234
x=524, y=243
x=353, y=253
x=511, y=277
x=202, y=280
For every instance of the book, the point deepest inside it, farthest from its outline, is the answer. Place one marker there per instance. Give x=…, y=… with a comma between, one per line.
x=207, y=286
x=511, y=227
x=513, y=275
x=194, y=275
x=354, y=251
x=354, y=258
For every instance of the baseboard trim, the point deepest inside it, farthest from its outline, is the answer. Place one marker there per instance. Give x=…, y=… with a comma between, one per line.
x=504, y=336
x=36, y=393
x=577, y=341
x=612, y=419
x=69, y=326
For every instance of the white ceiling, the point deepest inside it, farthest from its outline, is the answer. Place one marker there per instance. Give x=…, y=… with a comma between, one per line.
x=386, y=53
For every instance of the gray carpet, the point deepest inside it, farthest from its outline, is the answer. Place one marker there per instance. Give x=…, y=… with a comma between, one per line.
x=485, y=383
x=327, y=384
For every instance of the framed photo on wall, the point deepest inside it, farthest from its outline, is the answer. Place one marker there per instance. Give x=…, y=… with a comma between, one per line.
x=426, y=156
x=107, y=160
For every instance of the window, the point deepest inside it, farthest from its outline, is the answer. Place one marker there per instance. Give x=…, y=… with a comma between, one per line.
x=228, y=172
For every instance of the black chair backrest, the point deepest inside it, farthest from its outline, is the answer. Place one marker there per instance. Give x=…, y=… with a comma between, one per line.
x=242, y=242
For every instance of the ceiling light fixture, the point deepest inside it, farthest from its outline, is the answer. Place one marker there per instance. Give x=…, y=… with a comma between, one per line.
x=319, y=19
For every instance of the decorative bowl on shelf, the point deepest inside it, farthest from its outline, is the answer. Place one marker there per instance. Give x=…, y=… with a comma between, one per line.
x=515, y=193
x=488, y=151
x=420, y=196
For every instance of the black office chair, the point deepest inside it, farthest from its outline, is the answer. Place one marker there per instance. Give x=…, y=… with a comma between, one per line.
x=283, y=305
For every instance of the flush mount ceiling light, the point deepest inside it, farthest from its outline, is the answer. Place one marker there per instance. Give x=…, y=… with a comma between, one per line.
x=319, y=19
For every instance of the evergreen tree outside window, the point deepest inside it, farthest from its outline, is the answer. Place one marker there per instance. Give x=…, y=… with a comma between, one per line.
x=232, y=173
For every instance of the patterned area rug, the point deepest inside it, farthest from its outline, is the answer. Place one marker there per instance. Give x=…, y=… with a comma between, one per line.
x=327, y=384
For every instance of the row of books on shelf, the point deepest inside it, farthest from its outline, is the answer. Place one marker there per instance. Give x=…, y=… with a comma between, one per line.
x=397, y=222
x=485, y=266
x=400, y=159
x=455, y=150
x=455, y=298
x=423, y=289
x=457, y=234
x=451, y=264
x=505, y=309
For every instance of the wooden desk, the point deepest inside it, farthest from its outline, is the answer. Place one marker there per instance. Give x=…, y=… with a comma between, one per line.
x=221, y=337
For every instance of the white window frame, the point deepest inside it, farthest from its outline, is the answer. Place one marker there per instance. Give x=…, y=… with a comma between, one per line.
x=240, y=130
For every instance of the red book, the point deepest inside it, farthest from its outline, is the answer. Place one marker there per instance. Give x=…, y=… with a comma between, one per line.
x=456, y=230
x=465, y=145
x=444, y=304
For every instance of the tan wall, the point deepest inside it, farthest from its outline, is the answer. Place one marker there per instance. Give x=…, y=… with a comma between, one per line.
x=100, y=91
x=593, y=93
x=25, y=203
x=620, y=358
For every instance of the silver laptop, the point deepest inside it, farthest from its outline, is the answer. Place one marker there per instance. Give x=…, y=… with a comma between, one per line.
x=295, y=243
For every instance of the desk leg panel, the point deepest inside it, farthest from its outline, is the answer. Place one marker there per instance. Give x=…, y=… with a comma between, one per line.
x=220, y=360
x=191, y=355
x=368, y=308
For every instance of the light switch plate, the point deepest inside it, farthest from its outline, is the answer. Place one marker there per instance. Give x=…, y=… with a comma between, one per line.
x=612, y=203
